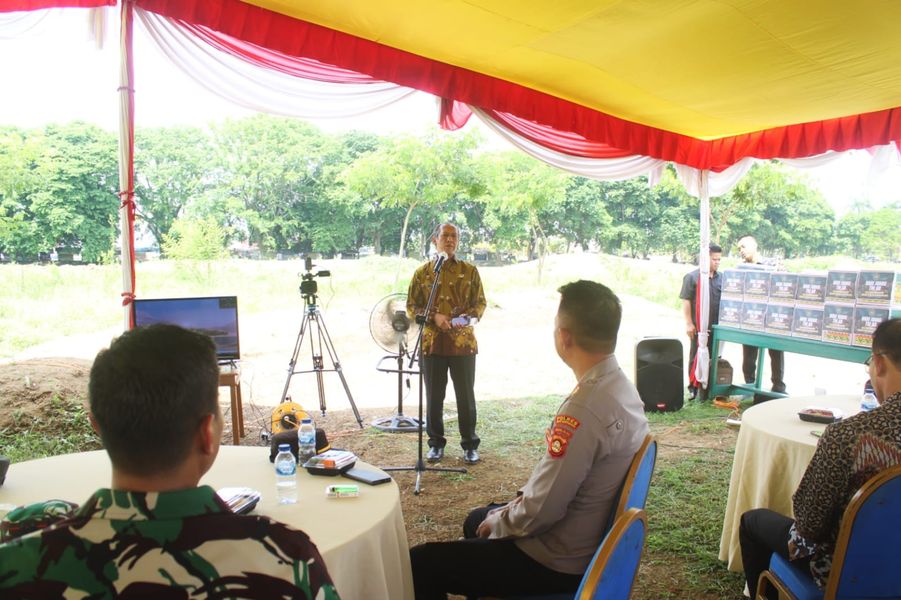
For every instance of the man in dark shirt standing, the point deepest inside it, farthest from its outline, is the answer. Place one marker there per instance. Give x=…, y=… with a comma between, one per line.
x=689, y=296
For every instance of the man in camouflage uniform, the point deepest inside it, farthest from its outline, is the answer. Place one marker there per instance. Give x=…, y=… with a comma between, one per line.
x=447, y=346
x=155, y=533
x=542, y=541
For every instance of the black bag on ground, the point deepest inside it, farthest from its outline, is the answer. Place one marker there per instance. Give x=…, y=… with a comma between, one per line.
x=290, y=437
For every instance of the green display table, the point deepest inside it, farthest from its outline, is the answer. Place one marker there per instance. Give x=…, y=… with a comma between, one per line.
x=763, y=341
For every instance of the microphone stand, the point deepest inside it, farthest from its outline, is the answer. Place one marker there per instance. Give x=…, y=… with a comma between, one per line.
x=420, y=466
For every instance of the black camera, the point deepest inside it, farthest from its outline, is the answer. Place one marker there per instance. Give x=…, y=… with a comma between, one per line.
x=308, y=286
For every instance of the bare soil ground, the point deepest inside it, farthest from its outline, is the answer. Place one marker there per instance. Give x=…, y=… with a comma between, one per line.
x=516, y=361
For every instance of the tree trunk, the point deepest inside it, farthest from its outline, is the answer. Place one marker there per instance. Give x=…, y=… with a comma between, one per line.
x=403, y=231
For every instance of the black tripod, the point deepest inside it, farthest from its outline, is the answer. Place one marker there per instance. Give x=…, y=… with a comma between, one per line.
x=420, y=467
x=319, y=339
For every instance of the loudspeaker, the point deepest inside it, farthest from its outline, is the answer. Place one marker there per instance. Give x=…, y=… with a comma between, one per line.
x=658, y=373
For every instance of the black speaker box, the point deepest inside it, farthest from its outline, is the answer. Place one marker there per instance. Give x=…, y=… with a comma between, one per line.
x=658, y=373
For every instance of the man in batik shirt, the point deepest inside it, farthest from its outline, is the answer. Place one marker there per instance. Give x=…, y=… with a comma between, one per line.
x=155, y=533
x=849, y=453
x=449, y=346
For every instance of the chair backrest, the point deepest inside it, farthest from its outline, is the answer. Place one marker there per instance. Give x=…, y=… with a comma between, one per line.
x=634, y=491
x=866, y=559
x=612, y=571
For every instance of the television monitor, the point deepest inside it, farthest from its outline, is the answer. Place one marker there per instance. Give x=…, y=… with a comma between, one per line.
x=215, y=316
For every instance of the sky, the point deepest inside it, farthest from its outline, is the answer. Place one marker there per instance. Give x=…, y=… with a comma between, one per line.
x=51, y=72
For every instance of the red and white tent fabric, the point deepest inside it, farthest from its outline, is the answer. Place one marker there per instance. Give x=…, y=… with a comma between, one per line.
x=603, y=89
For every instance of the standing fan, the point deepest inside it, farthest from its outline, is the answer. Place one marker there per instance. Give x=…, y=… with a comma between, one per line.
x=392, y=330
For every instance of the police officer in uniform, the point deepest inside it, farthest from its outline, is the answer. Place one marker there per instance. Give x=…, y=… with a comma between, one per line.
x=542, y=541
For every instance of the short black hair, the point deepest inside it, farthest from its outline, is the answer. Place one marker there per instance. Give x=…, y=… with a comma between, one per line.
x=148, y=393
x=887, y=340
x=592, y=313
x=716, y=248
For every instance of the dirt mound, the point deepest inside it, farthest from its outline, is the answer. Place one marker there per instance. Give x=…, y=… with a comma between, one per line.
x=28, y=387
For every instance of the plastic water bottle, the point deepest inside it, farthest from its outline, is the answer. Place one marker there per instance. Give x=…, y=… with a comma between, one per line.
x=285, y=475
x=868, y=402
x=306, y=441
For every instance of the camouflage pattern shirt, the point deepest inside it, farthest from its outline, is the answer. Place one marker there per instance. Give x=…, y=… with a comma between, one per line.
x=459, y=293
x=180, y=544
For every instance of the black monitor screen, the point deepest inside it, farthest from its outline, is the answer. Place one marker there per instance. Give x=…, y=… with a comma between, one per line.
x=216, y=317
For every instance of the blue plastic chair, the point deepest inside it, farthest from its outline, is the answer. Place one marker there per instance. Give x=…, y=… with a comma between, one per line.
x=612, y=572
x=866, y=560
x=633, y=494
x=634, y=491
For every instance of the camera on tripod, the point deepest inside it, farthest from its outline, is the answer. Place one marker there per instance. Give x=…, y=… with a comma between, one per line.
x=308, y=285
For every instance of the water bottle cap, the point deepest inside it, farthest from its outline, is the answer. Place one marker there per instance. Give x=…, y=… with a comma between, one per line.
x=307, y=420
x=284, y=447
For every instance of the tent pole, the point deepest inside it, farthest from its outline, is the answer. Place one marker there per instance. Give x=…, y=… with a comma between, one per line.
x=702, y=369
x=126, y=159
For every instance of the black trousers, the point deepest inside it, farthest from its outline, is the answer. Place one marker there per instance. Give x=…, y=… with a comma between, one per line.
x=761, y=533
x=463, y=372
x=777, y=366
x=476, y=567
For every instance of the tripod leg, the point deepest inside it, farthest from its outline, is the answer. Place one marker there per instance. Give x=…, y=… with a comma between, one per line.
x=293, y=361
x=333, y=355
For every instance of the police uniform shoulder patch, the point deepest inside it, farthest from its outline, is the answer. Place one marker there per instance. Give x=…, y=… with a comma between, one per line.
x=559, y=434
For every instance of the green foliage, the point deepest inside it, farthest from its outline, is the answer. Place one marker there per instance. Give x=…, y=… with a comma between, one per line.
x=201, y=239
x=283, y=186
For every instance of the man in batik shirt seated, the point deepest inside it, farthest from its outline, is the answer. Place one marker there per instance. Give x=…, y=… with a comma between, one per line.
x=155, y=533
x=849, y=453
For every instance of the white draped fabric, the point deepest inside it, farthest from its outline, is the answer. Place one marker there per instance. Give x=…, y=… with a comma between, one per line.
x=703, y=357
x=264, y=90
x=23, y=24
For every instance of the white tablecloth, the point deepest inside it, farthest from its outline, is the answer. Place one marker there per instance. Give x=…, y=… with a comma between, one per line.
x=773, y=450
x=362, y=540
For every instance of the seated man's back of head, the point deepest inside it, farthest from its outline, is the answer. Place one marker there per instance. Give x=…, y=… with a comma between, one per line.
x=154, y=402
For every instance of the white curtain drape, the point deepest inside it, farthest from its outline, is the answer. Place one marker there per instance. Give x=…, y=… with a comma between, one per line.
x=702, y=367
x=264, y=90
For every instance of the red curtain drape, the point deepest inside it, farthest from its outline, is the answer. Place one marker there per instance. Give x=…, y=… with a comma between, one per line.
x=299, y=38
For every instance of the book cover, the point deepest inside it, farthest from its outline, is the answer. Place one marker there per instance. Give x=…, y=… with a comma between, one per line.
x=779, y=318
x=808, y=323
x=730, y=312
x=876, y=287
x=841, y=286
x=811, y=291
x=783, y=287
x=866, y=318
x=753, y=315
x=757, y=285
x=838, y=323
x=733, y=284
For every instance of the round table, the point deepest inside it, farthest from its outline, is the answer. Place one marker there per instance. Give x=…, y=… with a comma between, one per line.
x=362, y=540
x=772, y=452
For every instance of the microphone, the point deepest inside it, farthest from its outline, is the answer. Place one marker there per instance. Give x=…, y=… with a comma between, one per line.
x=439, y=261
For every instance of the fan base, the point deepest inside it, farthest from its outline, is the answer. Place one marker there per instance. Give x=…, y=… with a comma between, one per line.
x=397, y=424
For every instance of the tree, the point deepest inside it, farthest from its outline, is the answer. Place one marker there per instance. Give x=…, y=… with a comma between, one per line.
x=170, y=172
x=407, y=172
x=882, y=237
x=59, y=188
x=197, y=239
x=522, y=194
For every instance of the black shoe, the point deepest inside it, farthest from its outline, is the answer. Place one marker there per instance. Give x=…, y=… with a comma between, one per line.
x=435, y=454
x=471, y=457
x=779, y=388
x=692, y=392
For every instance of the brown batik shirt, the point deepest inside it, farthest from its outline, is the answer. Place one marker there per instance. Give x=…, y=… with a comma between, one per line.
x=459, y=293
x=849, y=453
